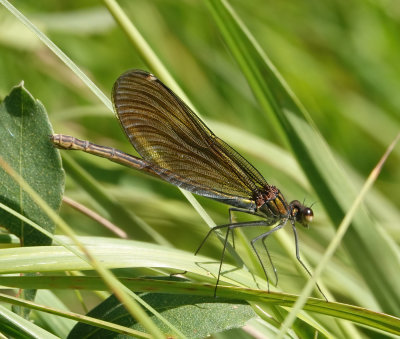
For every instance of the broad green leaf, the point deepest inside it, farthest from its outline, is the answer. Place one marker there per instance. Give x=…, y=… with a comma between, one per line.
x=196, y=317
x=25, y=146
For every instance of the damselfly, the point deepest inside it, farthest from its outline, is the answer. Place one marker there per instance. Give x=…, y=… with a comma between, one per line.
x=176, y=146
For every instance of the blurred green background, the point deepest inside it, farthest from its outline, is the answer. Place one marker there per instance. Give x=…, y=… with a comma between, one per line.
x=341, y=59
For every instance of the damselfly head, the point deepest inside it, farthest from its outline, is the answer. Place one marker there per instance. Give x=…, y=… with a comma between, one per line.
x=302, y=214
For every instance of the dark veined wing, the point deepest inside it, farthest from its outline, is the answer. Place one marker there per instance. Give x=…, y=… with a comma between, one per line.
x=183, y=150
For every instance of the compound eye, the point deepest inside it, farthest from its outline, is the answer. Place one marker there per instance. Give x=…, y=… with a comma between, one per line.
x=308, y=215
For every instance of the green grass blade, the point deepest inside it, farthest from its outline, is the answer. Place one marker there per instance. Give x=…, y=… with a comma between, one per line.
x=71, y=315
x=341, y=231
x=57, y=51
x=356, y=314
x=375, y=257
